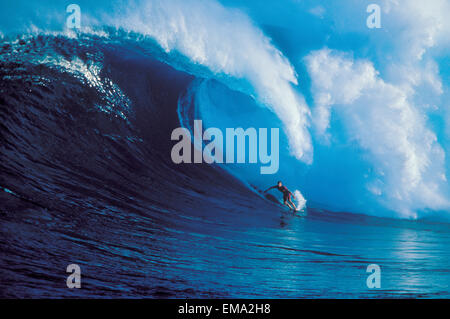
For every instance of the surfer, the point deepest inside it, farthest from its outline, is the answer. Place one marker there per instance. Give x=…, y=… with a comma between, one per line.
x=287, y=194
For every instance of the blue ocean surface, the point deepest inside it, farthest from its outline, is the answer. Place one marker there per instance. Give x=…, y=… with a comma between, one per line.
x=86, y=175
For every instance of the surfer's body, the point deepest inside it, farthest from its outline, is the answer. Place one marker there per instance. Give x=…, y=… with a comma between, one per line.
x=287, y=195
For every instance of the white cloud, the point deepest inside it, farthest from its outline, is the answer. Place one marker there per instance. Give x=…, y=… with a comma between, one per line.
x=318, y=11
x=417, y=25
x=408, y=160
x=417, y=28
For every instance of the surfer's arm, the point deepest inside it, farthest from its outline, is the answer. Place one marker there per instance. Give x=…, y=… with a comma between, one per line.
x=292, y=194
x=270, y=188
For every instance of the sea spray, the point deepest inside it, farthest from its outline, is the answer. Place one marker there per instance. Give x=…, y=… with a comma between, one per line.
x=300, y=201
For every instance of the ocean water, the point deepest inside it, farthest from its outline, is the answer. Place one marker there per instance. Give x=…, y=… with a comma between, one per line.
x=87, y=178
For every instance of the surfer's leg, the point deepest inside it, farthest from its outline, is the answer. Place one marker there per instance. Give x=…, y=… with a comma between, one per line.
x=286, y=200
x=290, y=200
x=287, y=204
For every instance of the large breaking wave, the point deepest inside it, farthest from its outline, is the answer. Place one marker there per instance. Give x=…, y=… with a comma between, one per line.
x=375, y=156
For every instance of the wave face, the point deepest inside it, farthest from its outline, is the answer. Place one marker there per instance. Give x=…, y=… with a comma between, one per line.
x=86, y=170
